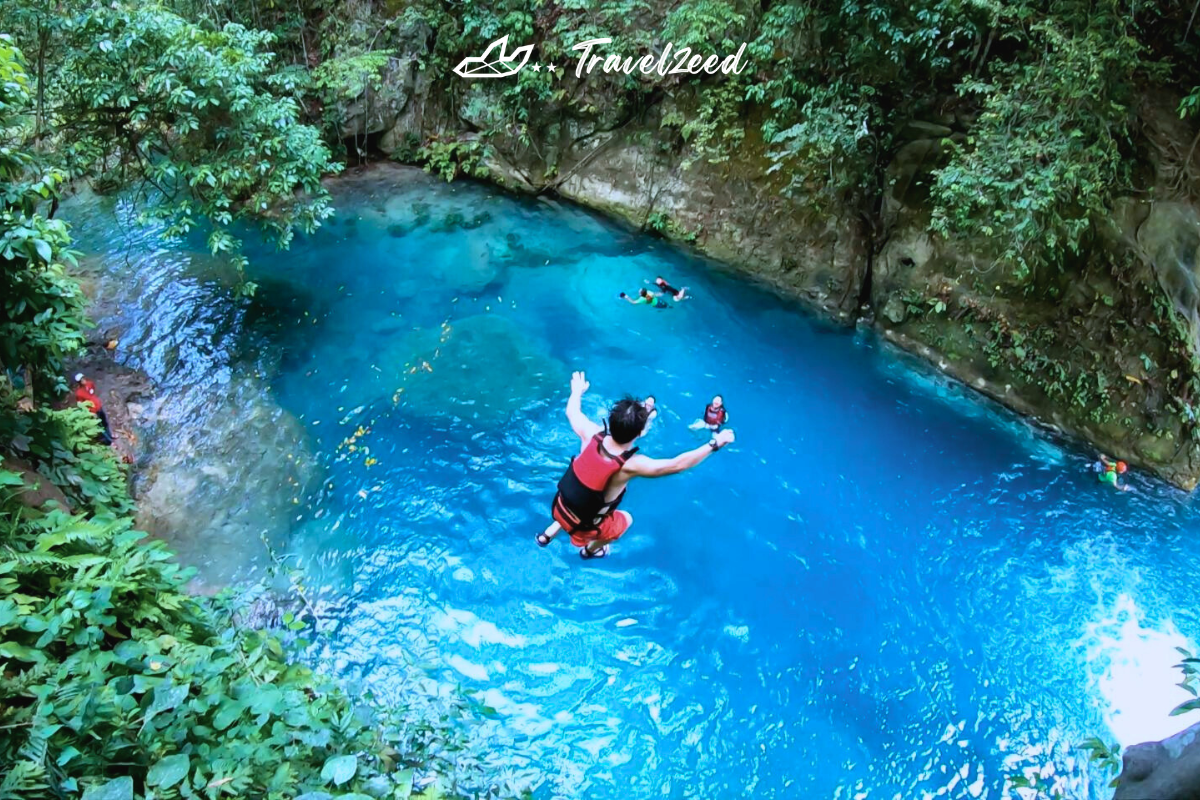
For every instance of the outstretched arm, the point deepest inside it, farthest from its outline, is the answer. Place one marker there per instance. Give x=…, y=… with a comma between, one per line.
x=584, y=428
x=643, y=467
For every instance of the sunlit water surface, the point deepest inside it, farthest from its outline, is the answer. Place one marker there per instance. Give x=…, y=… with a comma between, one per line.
x=886, y=589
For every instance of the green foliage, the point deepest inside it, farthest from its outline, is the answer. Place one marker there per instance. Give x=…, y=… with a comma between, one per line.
x=194, y=116
x=1190, y=667
x=65, y=447
x=1190, y=105
x=1038, y=170
x=41, y=309
x=111, y=671
x=829, y=150
x=1106, y=757
x=450, y=158
x=348, y=76
x=705, y=24
x=662, y=224
x=1042, y=786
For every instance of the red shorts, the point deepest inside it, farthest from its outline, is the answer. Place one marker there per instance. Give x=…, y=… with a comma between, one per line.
x=611, y=528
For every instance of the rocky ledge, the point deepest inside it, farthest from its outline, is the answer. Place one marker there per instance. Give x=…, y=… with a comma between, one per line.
x=1166, y=770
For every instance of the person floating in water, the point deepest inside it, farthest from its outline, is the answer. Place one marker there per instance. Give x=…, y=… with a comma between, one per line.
x=715, y=415
x=652, y=407
x=646, y=297
x=676, y=294
x=85, y=392
x=1109, y=470
x=589, y=492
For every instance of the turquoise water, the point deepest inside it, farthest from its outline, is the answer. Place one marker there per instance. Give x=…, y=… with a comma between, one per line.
x=885, y=589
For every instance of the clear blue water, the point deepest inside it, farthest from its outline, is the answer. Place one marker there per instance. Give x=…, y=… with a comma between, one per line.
x=886, y=588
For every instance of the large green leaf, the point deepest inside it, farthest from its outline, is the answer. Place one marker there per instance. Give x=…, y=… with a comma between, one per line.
x=167, y=697
x=227, y=714
x=43, y=250
x=1183, y=708
x=116, y=789
x=339, y=769
x=404, y=784
x=169, y=771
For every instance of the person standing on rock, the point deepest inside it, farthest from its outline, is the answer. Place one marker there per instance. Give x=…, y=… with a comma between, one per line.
x=85, y=392
x=594, y=484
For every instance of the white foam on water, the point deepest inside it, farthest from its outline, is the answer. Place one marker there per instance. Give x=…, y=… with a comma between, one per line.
x=1132, y=666
x=473, y=671
x=474, y=631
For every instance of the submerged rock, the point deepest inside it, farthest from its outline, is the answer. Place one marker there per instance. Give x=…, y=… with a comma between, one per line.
x=483, y=368
x=229, y=466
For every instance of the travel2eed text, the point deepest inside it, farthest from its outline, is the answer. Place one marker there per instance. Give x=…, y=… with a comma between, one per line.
x=497, y=62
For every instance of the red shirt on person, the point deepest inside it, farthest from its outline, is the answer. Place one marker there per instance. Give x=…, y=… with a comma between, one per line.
x=85, y=392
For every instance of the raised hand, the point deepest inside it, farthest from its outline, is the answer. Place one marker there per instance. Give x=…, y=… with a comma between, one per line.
x=579, y=383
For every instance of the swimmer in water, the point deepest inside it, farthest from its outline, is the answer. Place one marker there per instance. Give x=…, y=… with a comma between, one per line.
x=646, y=297
x=676, y=294
x=715, y=415
x=1109, y=470
x=651, y=406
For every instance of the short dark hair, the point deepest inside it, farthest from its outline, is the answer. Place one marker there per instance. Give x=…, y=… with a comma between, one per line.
x=627, y=419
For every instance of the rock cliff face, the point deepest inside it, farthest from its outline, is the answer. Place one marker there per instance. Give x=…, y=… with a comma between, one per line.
x=1092, y=353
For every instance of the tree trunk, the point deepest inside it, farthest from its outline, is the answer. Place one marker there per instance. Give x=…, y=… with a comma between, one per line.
x=43, y=40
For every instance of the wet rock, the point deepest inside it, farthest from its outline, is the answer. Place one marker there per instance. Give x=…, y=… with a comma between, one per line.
x=377, y=109
x=1166, y=770
x=1170, y=240
x=895, y=310
x=917, y=129
x=266, y=610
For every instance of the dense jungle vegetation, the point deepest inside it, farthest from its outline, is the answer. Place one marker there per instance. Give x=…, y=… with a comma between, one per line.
x=223, y=115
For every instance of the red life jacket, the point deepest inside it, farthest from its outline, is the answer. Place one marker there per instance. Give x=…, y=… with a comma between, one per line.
x=714, y=416
x=580, y=504
x=86, y=393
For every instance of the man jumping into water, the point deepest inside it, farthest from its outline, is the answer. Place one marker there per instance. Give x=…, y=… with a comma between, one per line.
x=591, y=489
